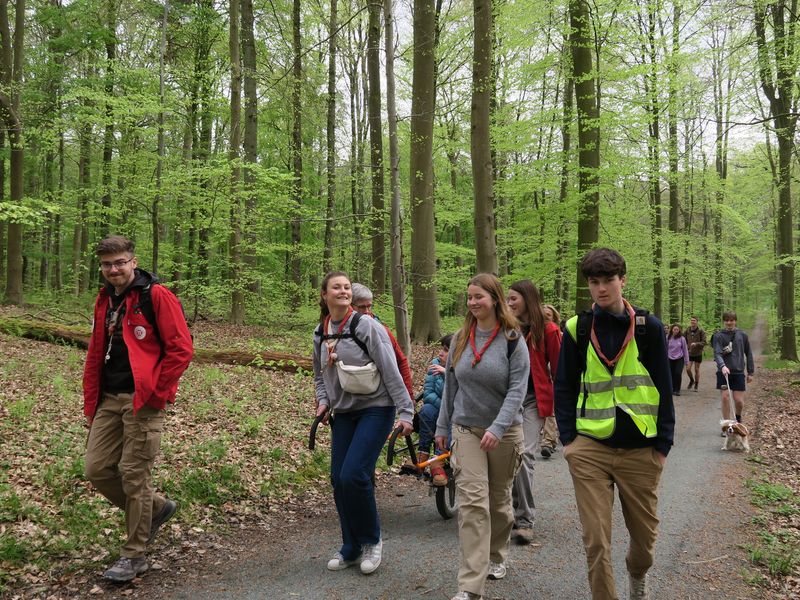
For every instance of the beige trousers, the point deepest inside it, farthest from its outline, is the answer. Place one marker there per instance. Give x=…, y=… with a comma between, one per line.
x=483, y=494
x=550, y=432
x=596, y=469
x=120, y=453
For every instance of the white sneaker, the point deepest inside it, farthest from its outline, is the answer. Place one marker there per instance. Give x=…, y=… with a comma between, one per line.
x=337, y=563
x=371, y=557
x=638, y=587
x=497, y=570
x=467, y=596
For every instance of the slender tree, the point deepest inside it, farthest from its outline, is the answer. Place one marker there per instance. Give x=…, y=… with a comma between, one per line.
x=237, y=291
x=296, y=149
x=587, y=100
x=11, y=78
x=377, y=221
x=425, y=325
x=778, y=71
x=480, y=139
x=330, y=138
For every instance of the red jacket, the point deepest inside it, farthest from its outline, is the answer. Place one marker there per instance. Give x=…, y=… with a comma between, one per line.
x=541, y=375
x=155, y=378
x=402, y=363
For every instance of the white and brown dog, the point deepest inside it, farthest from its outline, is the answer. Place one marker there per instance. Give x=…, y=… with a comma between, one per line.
x=736, y=435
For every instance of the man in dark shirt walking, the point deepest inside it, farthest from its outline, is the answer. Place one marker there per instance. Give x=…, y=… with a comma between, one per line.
x=613, y=404
x=696, y=340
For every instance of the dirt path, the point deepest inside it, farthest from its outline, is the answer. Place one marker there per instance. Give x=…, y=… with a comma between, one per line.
x=704, y=517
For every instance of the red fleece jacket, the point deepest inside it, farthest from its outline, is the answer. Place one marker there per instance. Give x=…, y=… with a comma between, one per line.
x=155, y=372
x=542, y=357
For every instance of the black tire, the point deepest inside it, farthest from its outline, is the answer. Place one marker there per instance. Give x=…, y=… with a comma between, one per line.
x=446, y=498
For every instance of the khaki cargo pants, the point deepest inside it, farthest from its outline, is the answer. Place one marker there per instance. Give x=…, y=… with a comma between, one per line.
x=120, y=453
x=483, y=495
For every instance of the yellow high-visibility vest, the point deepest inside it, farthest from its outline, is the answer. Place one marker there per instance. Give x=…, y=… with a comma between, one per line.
x=629, y=387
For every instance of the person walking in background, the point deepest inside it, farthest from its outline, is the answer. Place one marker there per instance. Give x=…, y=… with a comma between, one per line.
x=550, y=429
x=613, y=403
x=360, y=412
x=485, y=381
x=362, y=302
x=696, y=339
x=678, y=354
x=733, y=355
x=543, y=338
x=139, y=348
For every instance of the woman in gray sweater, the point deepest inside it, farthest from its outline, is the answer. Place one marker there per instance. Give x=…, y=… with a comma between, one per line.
x=485, y=383
x=360, y=422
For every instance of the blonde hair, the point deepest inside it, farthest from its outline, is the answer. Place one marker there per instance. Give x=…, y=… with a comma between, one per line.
x=508, y=322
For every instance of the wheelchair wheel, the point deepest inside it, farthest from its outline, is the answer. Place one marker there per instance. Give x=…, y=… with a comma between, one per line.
x=446, y=498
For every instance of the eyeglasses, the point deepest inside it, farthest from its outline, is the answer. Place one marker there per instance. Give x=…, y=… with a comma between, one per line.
x=117, y=264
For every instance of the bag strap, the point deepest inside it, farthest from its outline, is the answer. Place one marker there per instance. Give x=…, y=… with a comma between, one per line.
x=511, y=345
x=146, y=306
x=350, y=335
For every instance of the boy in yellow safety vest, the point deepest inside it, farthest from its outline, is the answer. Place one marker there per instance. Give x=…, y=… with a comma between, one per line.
x=613, y=404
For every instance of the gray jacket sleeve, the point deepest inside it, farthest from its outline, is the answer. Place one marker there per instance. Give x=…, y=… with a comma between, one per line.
x=319, y=383
x=519, y=368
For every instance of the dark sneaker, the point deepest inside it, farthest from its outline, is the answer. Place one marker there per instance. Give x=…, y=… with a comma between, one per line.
x=164, y=515
x=547, y=452
x=523, y=536
x=125, y=569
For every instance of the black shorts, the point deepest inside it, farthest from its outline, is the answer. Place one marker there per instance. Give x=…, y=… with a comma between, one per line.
x=737, y=381
x=697, y=359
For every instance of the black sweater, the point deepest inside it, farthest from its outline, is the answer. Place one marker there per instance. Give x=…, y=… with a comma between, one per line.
x=611, y=331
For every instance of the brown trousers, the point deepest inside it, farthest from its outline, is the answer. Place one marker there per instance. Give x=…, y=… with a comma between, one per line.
x=596, y=469
x=120, y=453
x=550, y=433
x=483, y=488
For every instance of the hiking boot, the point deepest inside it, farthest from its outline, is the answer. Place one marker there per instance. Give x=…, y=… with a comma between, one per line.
x=164, y=515
x=496, y=570
x=467, y=596
x=523, y=535
x=438, y=476
x=638, y=588
x=676, y=393
x=691, y=382
x=337, y=563
x=125, y=569
x=371, y=557
x=547, y=451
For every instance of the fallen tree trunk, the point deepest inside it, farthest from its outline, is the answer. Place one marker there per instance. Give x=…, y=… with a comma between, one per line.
x=78, y=336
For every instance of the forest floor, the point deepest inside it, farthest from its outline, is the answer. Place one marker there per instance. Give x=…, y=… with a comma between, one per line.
x=255, y=505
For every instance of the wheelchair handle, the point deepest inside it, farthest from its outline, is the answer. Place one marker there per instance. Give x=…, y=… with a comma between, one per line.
x=390, y=453
x=312, y=436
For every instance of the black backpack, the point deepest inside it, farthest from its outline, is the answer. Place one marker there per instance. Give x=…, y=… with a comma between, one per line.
x=146, y=306
x=350, y=334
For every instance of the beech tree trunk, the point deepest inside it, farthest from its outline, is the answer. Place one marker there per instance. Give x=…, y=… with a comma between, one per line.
x=237, y=285
x=397, y=268
x=480, y=141
x=330, y=138
x=377, y=221
x=11, y=76
x=587, y=103
x=296, y=152
x=250, y=143
x=425, y=325
x=780, y=58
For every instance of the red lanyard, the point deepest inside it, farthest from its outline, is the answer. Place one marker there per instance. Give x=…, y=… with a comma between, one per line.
x=479, y=353
x=628, y=337
x=325, y=329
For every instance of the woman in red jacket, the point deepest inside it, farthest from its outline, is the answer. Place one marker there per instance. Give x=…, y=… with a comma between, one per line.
x=544, y=344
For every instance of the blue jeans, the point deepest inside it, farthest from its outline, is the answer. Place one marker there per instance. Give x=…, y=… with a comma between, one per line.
x=428, y=416
x=358, y=438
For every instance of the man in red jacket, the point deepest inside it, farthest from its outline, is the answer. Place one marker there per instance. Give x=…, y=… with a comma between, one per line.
x=140, y=346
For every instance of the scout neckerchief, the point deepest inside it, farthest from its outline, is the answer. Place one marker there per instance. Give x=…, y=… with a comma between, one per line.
x=478, y=354
x=113, y=323
x=331, y=344
x=628, y=336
